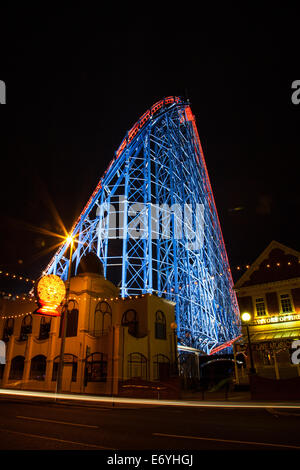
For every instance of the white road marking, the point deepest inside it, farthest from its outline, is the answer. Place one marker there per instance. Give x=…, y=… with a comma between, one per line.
x=38, y=436
x=58, y=422
x=227, y=440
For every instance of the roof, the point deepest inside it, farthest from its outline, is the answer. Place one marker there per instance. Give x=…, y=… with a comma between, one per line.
x=245, y=278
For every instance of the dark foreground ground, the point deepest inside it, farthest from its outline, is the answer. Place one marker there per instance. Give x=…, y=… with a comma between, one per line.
x=36, y=425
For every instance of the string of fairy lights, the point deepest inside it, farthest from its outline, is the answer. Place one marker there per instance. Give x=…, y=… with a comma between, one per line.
x=17, y=277
x=269, y=265
x=76, y=299
x=29, y=297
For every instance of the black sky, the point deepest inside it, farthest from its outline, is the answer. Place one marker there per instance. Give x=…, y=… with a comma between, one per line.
x=77, y=79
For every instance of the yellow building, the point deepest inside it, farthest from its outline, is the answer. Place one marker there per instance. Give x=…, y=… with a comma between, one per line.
x=269, y=291
x=109, y=340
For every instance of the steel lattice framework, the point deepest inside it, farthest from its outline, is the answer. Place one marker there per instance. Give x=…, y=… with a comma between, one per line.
x=157, y=176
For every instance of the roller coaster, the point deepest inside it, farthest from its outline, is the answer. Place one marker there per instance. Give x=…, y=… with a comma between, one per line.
x=152, y=217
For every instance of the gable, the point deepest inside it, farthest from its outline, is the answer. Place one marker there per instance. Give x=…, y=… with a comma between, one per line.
x=276, y=263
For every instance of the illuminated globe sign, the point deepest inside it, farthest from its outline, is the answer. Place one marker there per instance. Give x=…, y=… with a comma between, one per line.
x=50, y=292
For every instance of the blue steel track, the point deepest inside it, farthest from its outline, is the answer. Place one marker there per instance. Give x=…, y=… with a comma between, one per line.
x=157, y=186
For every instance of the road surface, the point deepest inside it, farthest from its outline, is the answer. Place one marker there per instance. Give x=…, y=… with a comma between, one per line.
x=26, y=425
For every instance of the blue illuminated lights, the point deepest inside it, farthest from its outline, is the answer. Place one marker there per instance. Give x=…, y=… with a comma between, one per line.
x=153, y=217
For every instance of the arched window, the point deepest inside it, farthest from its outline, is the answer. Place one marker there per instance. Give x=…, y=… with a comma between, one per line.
x=129, y=319
x=137, y=366
x=8, y=329
x=69, y=360
x=38, y=367
x=72, y=322
x=160, y=325
x=17, y=368
x=95, y=368
x=26, y=327
x=161, y=367
x=45, y=326
x=103, y=317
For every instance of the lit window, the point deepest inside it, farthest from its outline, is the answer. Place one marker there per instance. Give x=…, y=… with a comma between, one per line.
x=260, y=307
x=286, y=304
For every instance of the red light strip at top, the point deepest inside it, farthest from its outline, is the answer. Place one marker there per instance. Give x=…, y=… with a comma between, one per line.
x=143, y=119
x=224, y=345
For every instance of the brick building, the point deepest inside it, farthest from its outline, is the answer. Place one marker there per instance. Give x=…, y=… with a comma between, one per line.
x=270, y=292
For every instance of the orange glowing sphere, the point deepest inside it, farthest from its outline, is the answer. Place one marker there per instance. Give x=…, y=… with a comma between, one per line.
x=50, y=291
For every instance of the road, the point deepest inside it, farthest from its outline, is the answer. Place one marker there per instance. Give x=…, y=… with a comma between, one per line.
x=26, y=425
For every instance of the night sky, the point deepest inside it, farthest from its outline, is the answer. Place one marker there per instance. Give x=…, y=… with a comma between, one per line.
x=77, y=79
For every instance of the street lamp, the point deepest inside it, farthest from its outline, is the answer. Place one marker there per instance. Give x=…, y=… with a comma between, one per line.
x=70, y=242
x=174, y=328
x=246, y=317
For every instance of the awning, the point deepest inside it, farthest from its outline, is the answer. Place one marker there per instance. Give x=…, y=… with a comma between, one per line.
x=278, y=335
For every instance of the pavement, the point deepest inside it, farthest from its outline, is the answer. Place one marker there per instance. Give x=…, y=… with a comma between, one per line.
x=235, y=395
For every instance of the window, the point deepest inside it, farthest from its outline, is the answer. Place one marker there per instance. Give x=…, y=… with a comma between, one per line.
x=137, y=366
x=38, y=367
x=8, y=329
x=130, y=319
x=103, y=317
x=17, y=368
x=95, y=368
x=161, y=367
x=45, y=326
x=26, y=328
x=72, y=322
x=69, y=360
x=160, y=325
x=286, y=304
x=260, y=307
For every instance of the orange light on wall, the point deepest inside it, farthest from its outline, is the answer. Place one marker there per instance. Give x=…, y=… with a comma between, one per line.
x=50, y=292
